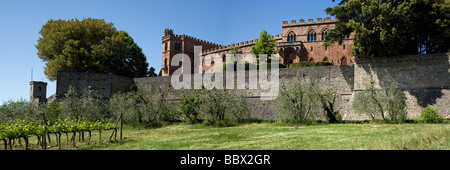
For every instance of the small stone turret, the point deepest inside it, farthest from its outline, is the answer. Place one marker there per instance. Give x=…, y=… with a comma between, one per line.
x=38, y=92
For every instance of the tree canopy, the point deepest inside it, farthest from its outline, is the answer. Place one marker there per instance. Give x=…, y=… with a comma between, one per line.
x=392, y=27
x=89, y=45
x=265, y=45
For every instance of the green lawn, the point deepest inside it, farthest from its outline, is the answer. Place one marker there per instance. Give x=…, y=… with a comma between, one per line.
x=277, y=137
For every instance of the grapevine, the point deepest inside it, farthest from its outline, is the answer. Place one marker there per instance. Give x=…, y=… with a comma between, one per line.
x=23, y=130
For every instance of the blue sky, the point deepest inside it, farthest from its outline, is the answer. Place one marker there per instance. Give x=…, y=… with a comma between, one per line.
x=220, y=21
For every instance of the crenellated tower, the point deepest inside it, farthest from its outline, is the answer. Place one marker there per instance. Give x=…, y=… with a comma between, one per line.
x=174, y=44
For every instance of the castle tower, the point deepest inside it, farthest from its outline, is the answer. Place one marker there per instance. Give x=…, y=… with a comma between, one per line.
x=38, y=92
x=175, y=44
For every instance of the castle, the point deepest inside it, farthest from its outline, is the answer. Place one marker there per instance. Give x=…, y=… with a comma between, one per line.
x=298, y=42
x=424, y=79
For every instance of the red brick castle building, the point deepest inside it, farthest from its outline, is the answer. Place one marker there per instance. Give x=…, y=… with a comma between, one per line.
x=302, y=41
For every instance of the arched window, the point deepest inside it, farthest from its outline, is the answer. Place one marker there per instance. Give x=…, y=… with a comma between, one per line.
x=324, y=34
x=325, y=59
x=292, y=36
x=312, y=36
x=165, y=62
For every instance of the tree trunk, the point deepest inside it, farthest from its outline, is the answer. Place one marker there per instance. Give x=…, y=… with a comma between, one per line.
x=49, y=139
x=59, y=140
x=100, y=136
x=10, y=144
x=89, y=141
x=73, y=138
x=6, y=143
x=26, y=142
x=38, y=140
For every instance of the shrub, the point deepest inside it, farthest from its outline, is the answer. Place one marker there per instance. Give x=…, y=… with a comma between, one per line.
x=139, y=108
x=387, y=103
x=88, y=105
x=430, y=115
x=53, y=112
x=219, y=105
x=327, y=99
x=311, y=64
x=189, y=106
x=297, y=100
x=301, y=102
x=12, y=111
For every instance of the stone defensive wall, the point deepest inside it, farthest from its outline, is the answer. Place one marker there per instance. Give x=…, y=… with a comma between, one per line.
x=424, y=79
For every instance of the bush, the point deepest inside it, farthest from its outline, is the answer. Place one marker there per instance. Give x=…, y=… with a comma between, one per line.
x=189, y=107
x=310, y=64
x=430, y=115
x=297, y=101
x=87, y=105
x=387, y=103
x=139, y=108
x=219, y=105
x=13, y=111
x=327, y=99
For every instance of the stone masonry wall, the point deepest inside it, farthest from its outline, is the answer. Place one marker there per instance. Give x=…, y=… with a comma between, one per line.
x=425, y=80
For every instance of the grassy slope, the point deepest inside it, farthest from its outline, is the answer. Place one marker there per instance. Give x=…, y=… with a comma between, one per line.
x=277, y=137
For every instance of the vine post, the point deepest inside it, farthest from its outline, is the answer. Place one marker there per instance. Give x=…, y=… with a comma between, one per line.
x=121, y=123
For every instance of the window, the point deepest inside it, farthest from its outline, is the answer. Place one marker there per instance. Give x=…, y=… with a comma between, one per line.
x=325, y=59
x=165, y=62
x=312, y=36
x=346, y=36
x=177, y=47
x=180, y=63
x=165, y=46
x=292, y=36
x=40, y=88
x=324, y=34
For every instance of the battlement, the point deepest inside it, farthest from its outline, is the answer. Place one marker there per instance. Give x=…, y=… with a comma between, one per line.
x=207, y=45
x=310, y=21
x=241, y=44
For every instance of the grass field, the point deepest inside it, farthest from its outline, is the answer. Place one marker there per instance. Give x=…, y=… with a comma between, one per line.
x=269, y=136
x=263, y=136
